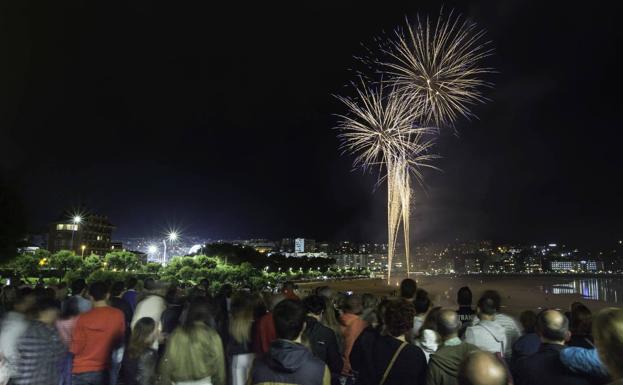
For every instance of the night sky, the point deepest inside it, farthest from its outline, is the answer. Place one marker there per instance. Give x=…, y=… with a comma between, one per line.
x=219, y=120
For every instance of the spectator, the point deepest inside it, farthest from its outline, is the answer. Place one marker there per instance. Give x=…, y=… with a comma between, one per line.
x=79, y=292
x=511, y=327
x=408, y=288
x=266, y=333
x=67, y=321
x=465, y=311
x=545, y=367
x=130, y=294
x=352, y=326
x=238, y=348
x=585, y=362
x=194, y=352
x=487, y=334
x=287, y=361
x=363, y=356
x=398, y=362
x=428, y=339
x=96, y=334
x=608, y=332
x=171, y=316
x=40, y=348
x=14, y=325
x=443, y=367
x=152, y=305
x=422, y=305
x=370, y=304
x=289, y=289
x=321, y=339
x=529, y=343
x=330, y=316
x=580, y=325
x=140, y=360
x=482, y=368
x=61, y=292
x=116, y=301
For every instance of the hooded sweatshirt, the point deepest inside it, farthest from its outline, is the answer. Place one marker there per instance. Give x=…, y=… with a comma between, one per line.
x=443, y=367
x=288, y=362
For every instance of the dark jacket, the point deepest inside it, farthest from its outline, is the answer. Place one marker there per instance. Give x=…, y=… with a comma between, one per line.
x=288, y=362
x=545, y=368
x=140, y=370
x=323, y=344
x=409, y=366
x=362, y=357
x=525, y=346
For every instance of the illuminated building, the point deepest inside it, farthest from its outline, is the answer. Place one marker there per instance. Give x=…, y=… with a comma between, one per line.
x=87, y=234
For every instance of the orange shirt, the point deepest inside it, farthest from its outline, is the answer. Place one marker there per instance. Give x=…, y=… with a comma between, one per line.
x=96, y=334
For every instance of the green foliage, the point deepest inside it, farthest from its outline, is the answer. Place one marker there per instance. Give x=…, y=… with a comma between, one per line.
x=105, y=275
x=90, y=264
x=122, y=261
x=63, y=261
x=151, y=268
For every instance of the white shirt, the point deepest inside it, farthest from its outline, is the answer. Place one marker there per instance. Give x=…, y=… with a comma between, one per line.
x=13, y=327
x=488, y=336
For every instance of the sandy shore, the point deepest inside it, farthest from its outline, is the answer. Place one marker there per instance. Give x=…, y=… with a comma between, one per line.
x=518, y=293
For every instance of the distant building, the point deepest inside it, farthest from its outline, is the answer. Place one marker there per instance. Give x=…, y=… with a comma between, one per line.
x=92, y=235
x=287, y=245
x=591, y=266
x=116, y=246
x=352, y=261
x=561, y=266
x=302, y=245
x=473, y=265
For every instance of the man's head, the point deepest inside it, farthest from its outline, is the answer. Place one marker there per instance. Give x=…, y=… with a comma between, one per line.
x=528, y=321
x=486, y=307
x=325, y=291
x=482, y=368
x=449, y=324
x=352, y=304
x=78, y=287
x=132, y=281
x=314, y=304
x=289, y=316
x=464, y=296
x=47, y=310
x=399, y=317
x=408, y=287
x=422, y=303
x=608, y=333
x=98, y=291
x=552, y=326
x=116, y=289
x=24, y=300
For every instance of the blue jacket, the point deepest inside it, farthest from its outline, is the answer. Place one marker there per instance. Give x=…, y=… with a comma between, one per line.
x=583, y=361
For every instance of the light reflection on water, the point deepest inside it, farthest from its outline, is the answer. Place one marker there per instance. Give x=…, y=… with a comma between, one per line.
x=603, y=289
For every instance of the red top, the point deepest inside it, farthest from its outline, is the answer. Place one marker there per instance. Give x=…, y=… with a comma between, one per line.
x=265, y=333
x=96, y=334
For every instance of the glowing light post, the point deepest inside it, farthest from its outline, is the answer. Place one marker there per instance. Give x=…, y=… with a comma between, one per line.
x=77, y=219
x=83, y=247
x=172, y=237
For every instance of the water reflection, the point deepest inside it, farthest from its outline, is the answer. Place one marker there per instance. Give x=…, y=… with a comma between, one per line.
x=603, y=289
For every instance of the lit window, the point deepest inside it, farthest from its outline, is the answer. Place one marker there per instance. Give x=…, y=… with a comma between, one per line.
x=99, y=237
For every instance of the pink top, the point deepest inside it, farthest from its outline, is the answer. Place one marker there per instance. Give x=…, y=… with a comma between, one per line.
x=65, y=327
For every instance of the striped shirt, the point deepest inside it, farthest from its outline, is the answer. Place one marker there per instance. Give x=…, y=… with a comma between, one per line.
x=40, y=351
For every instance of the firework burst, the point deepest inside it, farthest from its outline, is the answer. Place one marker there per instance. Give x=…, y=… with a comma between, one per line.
x=439, y=67
x=381, y=131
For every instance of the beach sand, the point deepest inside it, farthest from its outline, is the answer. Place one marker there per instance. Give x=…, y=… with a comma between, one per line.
x=518, y=293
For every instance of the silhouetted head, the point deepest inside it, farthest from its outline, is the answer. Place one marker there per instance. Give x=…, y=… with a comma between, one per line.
x=464, y=296
x=482, y=368
x=289, y=316
x=448, y=324
x=408, y=287
x=552, y=326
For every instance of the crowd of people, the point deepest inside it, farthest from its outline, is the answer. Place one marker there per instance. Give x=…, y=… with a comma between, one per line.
x=140, y=333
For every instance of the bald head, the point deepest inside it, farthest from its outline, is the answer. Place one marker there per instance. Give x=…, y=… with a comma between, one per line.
x=552, y=326
x=448, y=324
x=482, y=368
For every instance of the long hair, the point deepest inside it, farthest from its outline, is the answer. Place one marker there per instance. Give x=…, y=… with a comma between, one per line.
x=141, y=333
x=329, y=320
x=242, y=312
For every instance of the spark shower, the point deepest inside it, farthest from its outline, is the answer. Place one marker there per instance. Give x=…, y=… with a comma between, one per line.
x=429, y=74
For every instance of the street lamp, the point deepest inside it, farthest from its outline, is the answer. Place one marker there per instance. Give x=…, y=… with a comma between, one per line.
x=171, y=237
x=77, y=219
x=83, y=247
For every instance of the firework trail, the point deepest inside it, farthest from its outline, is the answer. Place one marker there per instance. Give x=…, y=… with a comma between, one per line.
x=380, y=130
